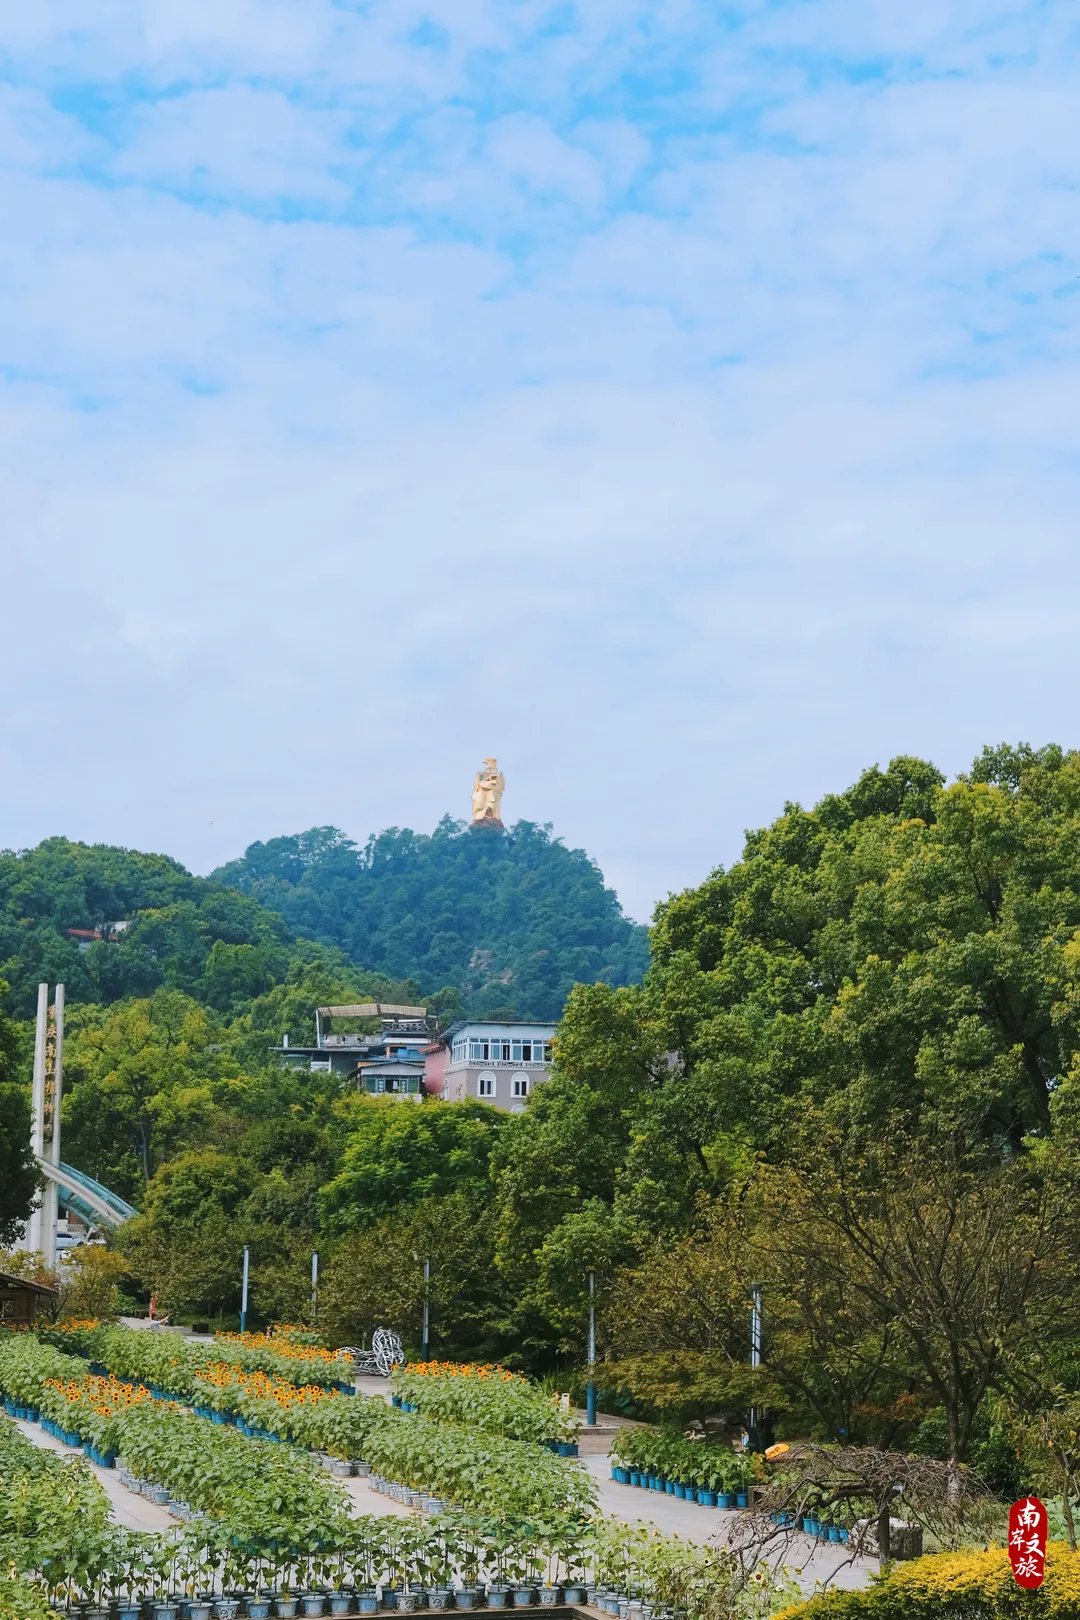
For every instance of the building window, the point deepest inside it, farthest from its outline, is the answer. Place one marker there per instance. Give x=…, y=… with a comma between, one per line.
x=520, y=1085
x=527, y=1051
x=485, y=1086
x=547, y=1052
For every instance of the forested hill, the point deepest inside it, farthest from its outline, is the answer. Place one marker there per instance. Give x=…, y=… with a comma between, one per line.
x=511, y=920
x=181, y=932
x=496, y=923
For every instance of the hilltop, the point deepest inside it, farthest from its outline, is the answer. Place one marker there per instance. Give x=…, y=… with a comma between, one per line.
x=510, y=920
x=486, y=924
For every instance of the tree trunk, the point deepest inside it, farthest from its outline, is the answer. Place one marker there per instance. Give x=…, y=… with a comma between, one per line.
x=1070, y=1525
x=884, y=1535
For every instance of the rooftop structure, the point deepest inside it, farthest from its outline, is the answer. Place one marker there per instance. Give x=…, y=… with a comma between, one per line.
x=19, y=1298
x=397, y=1023
x=390, y=1060
x=85, y=937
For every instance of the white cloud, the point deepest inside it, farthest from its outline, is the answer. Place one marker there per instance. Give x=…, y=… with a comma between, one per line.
x=239, y=141
x=682, y=411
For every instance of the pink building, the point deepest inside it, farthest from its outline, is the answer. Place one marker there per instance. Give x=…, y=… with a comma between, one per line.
x=436, y=1057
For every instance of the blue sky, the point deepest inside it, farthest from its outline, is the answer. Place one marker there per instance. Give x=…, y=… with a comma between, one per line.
x=678, y=401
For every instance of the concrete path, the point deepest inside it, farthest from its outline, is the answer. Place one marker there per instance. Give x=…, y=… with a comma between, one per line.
x=365, y=1500
x=812, y=1562
x=126, y=1508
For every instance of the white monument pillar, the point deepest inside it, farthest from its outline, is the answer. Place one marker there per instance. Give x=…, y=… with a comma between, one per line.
x=54, y=1078
x=37, y=1123
x=45, y=1124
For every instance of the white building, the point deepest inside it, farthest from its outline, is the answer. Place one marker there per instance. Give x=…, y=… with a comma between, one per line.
x=498, y=1063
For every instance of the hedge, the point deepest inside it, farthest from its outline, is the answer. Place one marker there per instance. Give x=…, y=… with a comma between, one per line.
x=955, y=1586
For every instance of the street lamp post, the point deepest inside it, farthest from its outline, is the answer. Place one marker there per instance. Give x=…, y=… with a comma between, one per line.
x=244, y=1294
x=427, y=1311
x=590, y=1387
x=314, y=1284
x=755, y=1353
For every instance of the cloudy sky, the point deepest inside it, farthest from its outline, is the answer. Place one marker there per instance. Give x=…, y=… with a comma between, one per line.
x=677, y=400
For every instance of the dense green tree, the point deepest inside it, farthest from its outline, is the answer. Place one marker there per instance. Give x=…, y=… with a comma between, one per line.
x=316, y=976
x=18, y=1173
x=144, y=1081
x=193, y=1267
x=906, y=956
x=375, y=1277
x=511, y=921
x=397, y=1155
x=904, y=947
x=496, y=925
x=61, y=885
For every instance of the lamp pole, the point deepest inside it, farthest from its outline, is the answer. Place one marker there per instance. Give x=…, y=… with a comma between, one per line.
x=590, y=1387
x=755, y=1353
x=314, y=1284
x=244, y=1294
x=427, y=1310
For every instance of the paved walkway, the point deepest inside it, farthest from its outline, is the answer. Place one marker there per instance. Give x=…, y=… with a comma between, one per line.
x=809, y=1560
x=126, y=1508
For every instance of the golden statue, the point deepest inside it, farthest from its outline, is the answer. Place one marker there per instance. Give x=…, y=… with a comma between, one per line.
x=487, y=795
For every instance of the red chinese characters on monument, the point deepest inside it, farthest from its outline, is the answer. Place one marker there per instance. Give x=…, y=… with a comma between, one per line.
x=1027, y=1542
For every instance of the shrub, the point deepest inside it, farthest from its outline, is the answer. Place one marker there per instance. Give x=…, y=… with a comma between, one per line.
x=956, y=1586
x=691, y=1462
x=484, y=1397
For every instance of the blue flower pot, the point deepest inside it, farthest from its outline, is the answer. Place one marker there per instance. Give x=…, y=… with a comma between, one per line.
x=725, y=1499
x=742, y=1499
x=707, y=1498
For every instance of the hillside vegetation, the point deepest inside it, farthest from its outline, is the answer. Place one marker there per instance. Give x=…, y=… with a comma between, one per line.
x=511, y=920
x=498, y=925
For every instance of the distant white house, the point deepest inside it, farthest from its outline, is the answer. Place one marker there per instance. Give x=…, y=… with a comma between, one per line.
x=498, y=1063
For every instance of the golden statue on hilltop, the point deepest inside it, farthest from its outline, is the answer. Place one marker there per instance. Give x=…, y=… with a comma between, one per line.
x=487, y=795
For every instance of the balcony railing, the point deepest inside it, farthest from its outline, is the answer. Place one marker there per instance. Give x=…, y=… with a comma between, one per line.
x=497, y=1063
